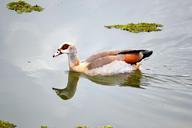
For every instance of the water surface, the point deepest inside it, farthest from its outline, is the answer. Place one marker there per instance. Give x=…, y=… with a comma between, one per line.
x=157, y=96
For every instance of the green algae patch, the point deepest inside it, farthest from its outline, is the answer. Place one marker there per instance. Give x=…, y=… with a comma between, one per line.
x=82, y=126
x=44, y=126
x=136, y=28
x=107, y=126
x=5, y=124
x=23, y=7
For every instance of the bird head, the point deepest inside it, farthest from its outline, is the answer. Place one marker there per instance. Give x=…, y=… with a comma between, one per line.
x=65, y=48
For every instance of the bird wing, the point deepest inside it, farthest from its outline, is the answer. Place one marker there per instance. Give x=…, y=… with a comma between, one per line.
x=99, y=62
x=101, y=55
x=131, y=56
x=128, y=56
x=135, y=56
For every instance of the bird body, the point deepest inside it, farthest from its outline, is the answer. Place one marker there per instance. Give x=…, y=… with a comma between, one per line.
x=104, y=63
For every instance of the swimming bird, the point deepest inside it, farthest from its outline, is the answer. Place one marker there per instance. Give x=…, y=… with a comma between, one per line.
x=103, y=63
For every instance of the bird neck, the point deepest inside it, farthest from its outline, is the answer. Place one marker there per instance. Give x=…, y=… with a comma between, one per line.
x=73, y=60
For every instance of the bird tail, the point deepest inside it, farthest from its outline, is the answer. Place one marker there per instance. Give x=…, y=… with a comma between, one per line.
x=147, y=53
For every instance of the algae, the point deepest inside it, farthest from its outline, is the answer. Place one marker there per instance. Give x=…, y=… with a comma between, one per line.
x=82, y=126
x=136, y=28
x=5, y=124
x=21, y=6
x=44, y=126
x=107, y=126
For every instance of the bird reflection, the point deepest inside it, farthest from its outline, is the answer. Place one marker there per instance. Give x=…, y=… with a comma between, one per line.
x=131, y=79
x=69, y=91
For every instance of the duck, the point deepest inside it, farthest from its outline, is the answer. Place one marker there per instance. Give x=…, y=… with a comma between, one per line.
x=103, y=63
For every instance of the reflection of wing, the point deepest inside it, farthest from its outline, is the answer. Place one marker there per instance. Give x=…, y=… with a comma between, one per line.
x=129, y=79
x=69, y=91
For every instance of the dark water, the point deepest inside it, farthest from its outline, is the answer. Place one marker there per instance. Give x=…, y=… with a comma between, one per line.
x=159, y=95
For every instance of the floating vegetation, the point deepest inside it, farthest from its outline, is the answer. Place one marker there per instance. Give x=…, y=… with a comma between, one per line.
x=136, y=28
x=107, y=126
x=44, y=126
x=4, y=124
x=22, y=6
x=84, y=126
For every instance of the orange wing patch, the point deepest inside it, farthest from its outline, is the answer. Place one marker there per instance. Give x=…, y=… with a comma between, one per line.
x=131, y=58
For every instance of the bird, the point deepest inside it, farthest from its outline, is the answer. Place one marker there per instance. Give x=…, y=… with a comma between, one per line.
x=103, y=63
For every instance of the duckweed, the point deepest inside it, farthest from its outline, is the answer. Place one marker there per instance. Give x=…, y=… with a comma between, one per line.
x=136, y=28
x=5, y=124
x=22, y=6
x=44, y=126
x=107, y=126
x=82, y=126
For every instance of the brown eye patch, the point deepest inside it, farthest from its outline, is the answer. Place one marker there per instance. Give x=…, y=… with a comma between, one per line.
x=65, y=46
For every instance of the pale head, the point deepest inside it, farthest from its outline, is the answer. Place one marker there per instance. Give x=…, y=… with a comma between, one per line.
x=65, y=48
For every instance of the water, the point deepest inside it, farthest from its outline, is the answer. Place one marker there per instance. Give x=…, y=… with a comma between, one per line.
x=157, y=96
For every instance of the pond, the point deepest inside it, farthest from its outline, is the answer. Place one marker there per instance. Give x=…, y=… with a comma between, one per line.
x=36, y=89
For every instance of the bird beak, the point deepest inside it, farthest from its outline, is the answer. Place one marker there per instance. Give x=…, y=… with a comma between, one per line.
x=57, y=54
